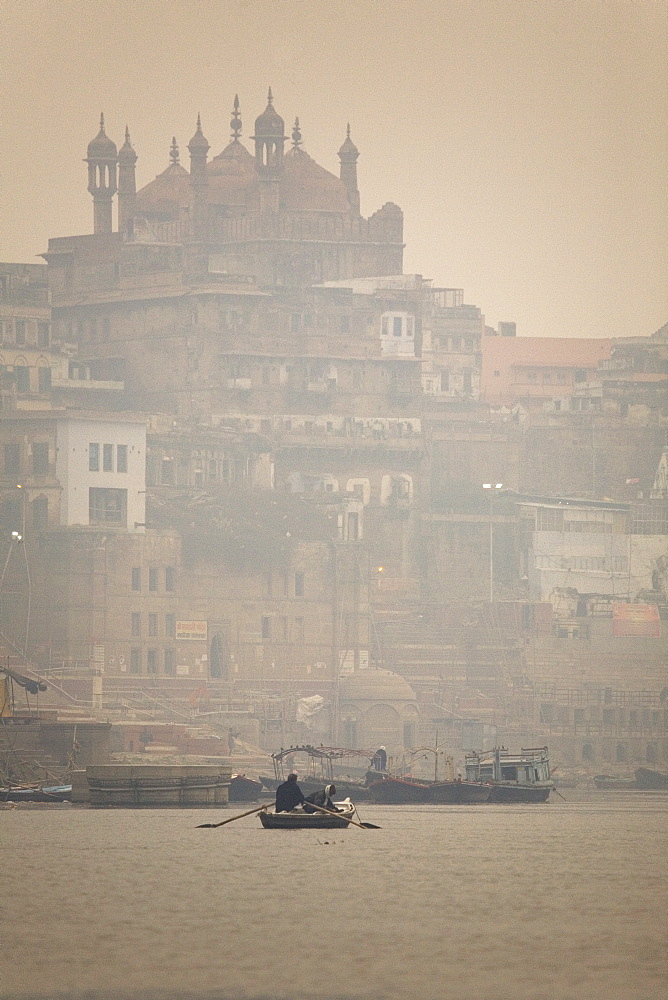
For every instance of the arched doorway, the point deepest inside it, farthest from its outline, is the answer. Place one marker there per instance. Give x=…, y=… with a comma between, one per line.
x=219, y=657
x=587, y=752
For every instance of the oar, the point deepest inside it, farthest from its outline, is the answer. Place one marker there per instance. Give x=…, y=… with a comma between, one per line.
x=560, y=795
x=212, y=826
x=362, y=826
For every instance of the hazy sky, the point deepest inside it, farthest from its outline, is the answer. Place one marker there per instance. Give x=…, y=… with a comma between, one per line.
x=525, y=140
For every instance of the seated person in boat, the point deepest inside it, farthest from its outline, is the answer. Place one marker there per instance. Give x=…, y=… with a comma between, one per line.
x=288, y=795
x=323, y=797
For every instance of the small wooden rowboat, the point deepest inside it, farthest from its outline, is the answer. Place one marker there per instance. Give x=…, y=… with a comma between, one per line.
x=299, y=820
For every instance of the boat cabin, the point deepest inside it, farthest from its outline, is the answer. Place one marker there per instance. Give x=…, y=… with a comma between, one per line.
x=529, y=767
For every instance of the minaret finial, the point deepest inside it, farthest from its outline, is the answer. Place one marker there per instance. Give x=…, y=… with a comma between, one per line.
x=235, y=124
x=199, y=122
x=174, y=152
x=127, y=134
x=296, y=135
x=270, y=97
x=348, y=131
x=101, y=121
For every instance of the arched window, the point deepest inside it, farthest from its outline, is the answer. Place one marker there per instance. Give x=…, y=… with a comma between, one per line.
x=220, y=657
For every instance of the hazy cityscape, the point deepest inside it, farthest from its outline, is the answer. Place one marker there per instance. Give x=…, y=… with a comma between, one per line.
x=263, y=487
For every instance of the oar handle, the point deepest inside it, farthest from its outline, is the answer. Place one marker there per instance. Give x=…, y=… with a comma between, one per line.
x=330, y=813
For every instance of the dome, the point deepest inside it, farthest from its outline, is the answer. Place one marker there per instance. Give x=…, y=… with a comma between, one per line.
x=269, y=124
x=308, y=187
x=167, y=193
x=101, y=147
x=375, y=685
x=231, y=174
x=349, y=150
x=198, y=142
x=126, y=153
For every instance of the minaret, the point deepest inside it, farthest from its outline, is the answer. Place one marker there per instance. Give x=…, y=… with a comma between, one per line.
x=269, y=142
x=198, y=148
x=235, y=124
x=101, y=160
x=127, y=186
x=348, y=155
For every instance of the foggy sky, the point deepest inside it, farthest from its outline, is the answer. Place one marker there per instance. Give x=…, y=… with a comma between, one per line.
x=525, y=140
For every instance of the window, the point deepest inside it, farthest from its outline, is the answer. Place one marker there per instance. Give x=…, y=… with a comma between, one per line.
x=299, y=629
x=136, y=623
x=170, y=661
x=135, y=661
x=12, y=458
x=445, y=381
x=93, y=458
x=107, y=506
x=121, y=458
x=170, y=626
x=136, y=578
x=43, y=335
x=266, y=627
x=167, y=472
x=152, y=623
x=153, y=579
x=20, y=331
x=549, y=519
x=152, y=661
x=170, y=574
x=44, y=379
x=299, y=584
x=397, y=326
x=107, y=458
x=40, y=458
x=466, y=380
x=22, y=377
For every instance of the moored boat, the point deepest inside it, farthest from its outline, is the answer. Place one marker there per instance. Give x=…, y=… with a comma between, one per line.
x=522, y=777
x=647, y=778
x=392, y=791
x=36, y=793
x=611, y=782
x=297, y=819
x=457, y=792
x=243, y=789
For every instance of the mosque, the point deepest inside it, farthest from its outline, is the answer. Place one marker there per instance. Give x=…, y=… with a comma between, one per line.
x=274, y=214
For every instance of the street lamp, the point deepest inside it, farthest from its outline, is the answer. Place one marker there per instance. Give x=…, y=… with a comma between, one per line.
x=491, y=486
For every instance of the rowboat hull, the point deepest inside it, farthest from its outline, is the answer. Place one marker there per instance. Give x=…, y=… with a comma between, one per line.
x=297, y=820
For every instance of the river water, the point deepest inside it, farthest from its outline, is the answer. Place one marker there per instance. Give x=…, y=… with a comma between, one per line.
x=562, y=901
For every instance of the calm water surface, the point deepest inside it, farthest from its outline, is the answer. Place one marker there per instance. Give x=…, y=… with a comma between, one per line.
x=563, y=901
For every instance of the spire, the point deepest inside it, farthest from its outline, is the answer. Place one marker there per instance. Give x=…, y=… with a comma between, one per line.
x=126, y=153
x=198, y=142
x=174, y=153
x=235, y=124
x=270, y=97
x=348, y=155
x=296, y=135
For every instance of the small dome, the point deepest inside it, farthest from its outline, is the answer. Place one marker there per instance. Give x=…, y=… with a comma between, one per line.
x=231, y=174
x=349, y=150
x=166, y=194
x=126, y=153
x=375, y=685
x=198, y=142
x=101, y=147
x=269, y=124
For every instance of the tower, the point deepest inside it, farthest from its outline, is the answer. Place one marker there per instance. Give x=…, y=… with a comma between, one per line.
x=348, y=155
x=127, y=187
x=198, y=148
x=101, y=160
x=269, y=141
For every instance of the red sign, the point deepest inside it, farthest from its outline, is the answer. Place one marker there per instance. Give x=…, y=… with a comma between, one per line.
x=636, y=620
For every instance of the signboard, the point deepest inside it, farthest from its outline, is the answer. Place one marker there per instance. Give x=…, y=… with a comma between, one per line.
x=191, y=630
x=636, y=620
